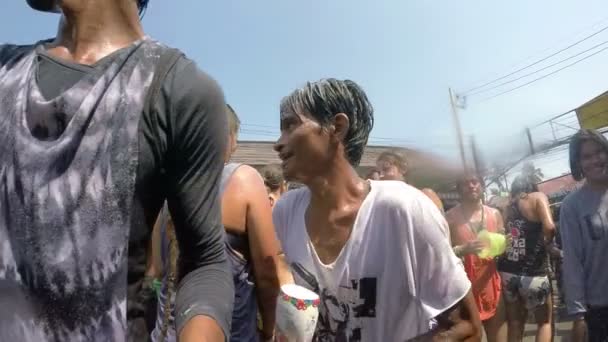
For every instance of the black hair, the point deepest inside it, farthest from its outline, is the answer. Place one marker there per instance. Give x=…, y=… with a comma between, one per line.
x=576, y=143
x=523, y=185
x=326, y=98
x=142, y=5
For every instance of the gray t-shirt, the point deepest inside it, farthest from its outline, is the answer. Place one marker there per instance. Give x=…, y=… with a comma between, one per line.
x=584, y=231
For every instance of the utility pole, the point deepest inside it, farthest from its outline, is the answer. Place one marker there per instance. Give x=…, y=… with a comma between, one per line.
x=476, y=157
x=531, y=143
x=458, y=128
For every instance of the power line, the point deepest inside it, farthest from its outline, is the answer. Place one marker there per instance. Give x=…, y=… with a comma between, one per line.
x=538, y=61
x=544, y=76
x=539, y=70
x=273, y=131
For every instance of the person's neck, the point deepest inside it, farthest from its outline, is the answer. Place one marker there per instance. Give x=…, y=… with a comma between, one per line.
x=340, y=187
x=90, y=30
x=597, y=185
x=470, y=206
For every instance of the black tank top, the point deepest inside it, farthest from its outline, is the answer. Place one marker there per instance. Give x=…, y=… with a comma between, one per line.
x=527, y=255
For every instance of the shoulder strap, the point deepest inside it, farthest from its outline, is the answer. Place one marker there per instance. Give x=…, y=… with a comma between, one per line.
x=226, y=174
x=490, y=219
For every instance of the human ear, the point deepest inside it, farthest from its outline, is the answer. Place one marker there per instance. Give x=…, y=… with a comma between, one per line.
x=339, y=127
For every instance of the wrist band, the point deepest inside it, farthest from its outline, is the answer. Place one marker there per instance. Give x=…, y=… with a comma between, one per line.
x=156, y=286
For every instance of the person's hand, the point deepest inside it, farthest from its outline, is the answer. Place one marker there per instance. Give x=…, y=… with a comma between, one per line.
x=555, y=252
x=472, y=247
x=266, y=337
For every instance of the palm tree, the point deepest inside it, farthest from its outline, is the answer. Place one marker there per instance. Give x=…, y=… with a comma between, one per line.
x=529, y=170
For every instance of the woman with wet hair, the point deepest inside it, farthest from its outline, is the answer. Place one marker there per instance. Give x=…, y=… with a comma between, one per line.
x=524, y=267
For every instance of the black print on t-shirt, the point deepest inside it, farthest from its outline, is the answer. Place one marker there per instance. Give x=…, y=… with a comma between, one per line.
x=341, y=321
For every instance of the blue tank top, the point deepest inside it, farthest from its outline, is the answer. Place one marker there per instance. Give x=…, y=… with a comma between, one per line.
x=244, y=315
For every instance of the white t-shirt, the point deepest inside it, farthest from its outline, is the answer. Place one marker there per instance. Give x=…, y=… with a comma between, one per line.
x=395, y=274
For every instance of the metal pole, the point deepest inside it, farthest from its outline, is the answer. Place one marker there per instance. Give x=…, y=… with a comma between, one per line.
x=458, y=129
x=553, y=130
x=530, y=142
x=476, y=157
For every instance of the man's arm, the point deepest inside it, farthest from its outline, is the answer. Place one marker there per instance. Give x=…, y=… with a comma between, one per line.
x=153, y=256
x=460, y=323
x=193, y=163
x=263, y=243
x=574, y=282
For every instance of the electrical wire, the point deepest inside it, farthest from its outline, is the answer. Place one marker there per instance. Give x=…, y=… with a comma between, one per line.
x=538, y=61
x=544, y=76
x=539, y=70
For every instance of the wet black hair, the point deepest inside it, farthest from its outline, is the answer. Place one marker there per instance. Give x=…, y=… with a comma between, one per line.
x=51, y=6
x=523, y=185
x=324, y=99
x=142, y=5
x=576, y=142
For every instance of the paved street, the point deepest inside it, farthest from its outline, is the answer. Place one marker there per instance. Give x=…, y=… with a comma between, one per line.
x=562, y=332
x=562, y=326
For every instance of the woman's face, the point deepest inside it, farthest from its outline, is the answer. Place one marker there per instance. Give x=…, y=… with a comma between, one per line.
x=594, y=162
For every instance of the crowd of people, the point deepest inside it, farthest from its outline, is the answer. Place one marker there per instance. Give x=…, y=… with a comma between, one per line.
x=123, y=218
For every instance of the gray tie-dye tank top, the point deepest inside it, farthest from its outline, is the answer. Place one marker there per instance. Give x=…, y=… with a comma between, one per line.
x=65, y=204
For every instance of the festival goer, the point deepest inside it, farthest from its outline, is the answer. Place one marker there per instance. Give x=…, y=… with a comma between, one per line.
x=524, y=267
x=392, y=165
x=252, y=248
x=275, y=183
x=374, y=251
x=466, y=220
x=584, y=230
x=98, y=127
x=373, y=175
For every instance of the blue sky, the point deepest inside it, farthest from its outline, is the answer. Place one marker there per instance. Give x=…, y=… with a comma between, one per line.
x=404, y=53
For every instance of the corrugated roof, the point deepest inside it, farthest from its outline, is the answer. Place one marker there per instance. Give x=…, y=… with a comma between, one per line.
x=558, y=186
